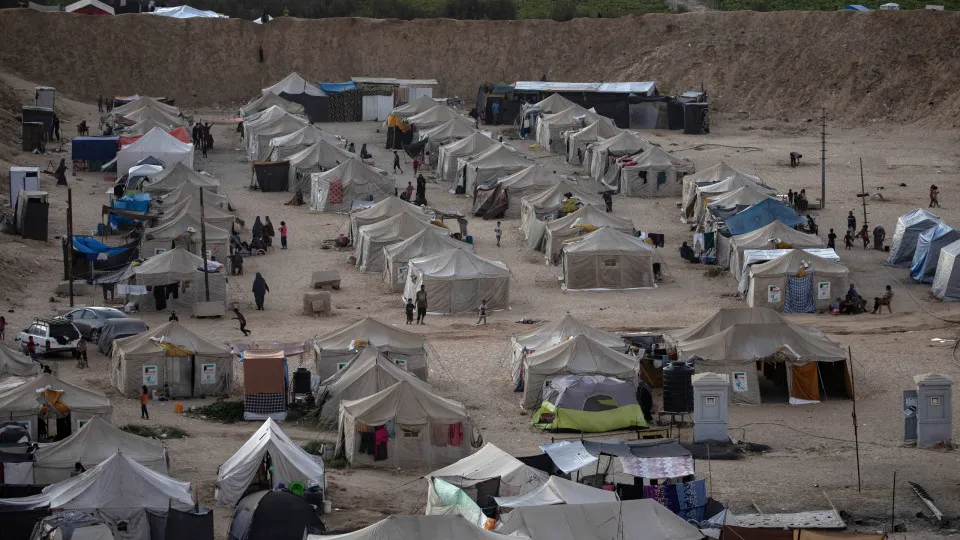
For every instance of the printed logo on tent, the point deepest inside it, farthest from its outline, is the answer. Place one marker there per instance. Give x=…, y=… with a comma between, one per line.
x=740, y=381
x=150, y=376
x=773, y=294
x=823, y=290
x=208, y=373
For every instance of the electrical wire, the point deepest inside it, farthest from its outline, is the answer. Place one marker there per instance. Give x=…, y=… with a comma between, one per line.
x=827, y=438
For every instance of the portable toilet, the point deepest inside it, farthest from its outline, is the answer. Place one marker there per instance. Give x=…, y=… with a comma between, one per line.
x=45, y=97
x=23, y=179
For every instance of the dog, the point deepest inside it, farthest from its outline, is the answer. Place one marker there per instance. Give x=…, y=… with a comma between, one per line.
x=82, y=129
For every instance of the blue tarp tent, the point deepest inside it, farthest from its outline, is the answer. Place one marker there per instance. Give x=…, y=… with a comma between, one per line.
x=337, y=87
x=762, y=214
x=91, y=248
x=134, y=202
x=94, y=148
x=855, y=7
x=925, y=258
x=904, y=243
x=91, y=255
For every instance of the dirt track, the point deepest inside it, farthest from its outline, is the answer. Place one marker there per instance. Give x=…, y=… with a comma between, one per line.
x=780, y=66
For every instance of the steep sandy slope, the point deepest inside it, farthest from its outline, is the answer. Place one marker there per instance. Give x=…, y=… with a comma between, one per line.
x=860, y=66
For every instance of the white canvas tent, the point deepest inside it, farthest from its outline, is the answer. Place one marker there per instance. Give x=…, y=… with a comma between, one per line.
x=771, y=286
x=653, y=173
x=373, y=238
x=119, y=489
x=558, y=490
x=186, y=12
x=601, y=155
x=284, y=146
x=162, y=119
x=335, y=349
x=382, y=210
x=13, y=363
x=175, y=232
x=96, y=442
x=415, y=107
x=143, y=127
x=710, y=175
x=320, y=155
x=142, y=102
x=561, y=230
x=418, y=527
x=271, y=123
x=265, y=101
x=494, y=162
x=550, y=126
x=427, y=242
x=367, y=373
x=946, y=282
x=179, y=175
x=768, y=237
x=641, y=518
x=450, y=154
x=457, y=281
x=212, y=214
x=353, y=180
x=171, y=356
x=721, y=320
x=159, y=144
x=555, y=332
x=527, y=182
x=536, y=210
x=22, y=403
x=579, y=355
x=905, y=237
x=553, y=103
x=704, y=195
x=173, y=266
x=608, y=259
x=294, y=83
x=289, y=462
x=730, y=204
x=445, y=133
x=579, y=140
x=424, y=435
x=432, y=117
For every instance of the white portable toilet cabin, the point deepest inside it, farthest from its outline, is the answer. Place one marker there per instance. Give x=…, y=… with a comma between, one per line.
x=23, y=179
x=45, y=96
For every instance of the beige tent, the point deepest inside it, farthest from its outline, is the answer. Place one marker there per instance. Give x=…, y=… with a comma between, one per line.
x=13, y=363
x=335, y=349
x=558, y=490
x=601, y=155
x=212, y=214
x=432, y=117
x=578, y=141
x=421, y=104
x=267, y=100
x=29, y=404
x=210, y=198
x=367, y=373
x=495, y=162
x=294, y=83
x=176, y=266
x=644, y=519
x=163, y=120
x=142, y=102
x=704, y=195
x=806, y=358
x=608, y=259
x=771, y=236
x=180, y=175
x=572, y=225
x=284, y=146
x=143, y=127
x=451, y=153
x=369, y=244
x=428, y=430
x=386, y=208
x=710, y=175
x=537, y=209
x=352, y=180
x=730, y=204
x=445, y=133
x=426, y=242
x=183, y=230
x=551, y=126
x=555, y=332
x=774, y=284
x=579, y=355
x=171, y=357
x=320, y=156
x=527, y=182
x=721, y=320
x=271, y=123
x=457, y=281
x=653, y=173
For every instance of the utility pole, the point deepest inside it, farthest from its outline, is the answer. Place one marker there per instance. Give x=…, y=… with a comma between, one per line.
x=70, y=243
x=856, y=435
x=823, y=158
x=203, y=248
x=863, y=194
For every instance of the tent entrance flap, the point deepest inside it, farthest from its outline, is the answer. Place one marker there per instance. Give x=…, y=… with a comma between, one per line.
x=805, y=382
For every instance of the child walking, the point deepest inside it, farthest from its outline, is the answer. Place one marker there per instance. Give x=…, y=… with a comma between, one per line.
x=409, y=308
x=483, y=313
x=498, y=230
x=144, y=398
x=3, y=328
x=243, y=321
x=283, y=235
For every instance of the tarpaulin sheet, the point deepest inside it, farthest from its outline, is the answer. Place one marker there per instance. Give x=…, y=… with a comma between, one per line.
x=641, y=449
x=805, y=383
x=337, y=87
x=665, y=467
x=568, y=456
x=90, y=247
x=180, y=133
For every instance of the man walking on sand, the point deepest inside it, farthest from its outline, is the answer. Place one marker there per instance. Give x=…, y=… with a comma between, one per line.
x=498, y=231
x=483, y=313
x=421, y=304
x=396, y=162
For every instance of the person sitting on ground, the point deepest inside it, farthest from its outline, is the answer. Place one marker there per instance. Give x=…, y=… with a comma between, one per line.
x=859, y=304
x=258, y=244
x=835, y=306
x=885, y=300
x=686, y=252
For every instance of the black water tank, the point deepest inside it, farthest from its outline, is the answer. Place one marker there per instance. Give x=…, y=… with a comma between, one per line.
x=301, y=381
x=678, y=387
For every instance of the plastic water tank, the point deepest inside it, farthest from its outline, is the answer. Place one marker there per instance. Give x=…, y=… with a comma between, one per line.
x=678, y=387
x=301, y=381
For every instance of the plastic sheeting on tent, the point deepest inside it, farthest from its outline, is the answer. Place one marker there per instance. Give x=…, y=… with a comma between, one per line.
x=321, y=155
x=96, y=442
x=704, y=195
x=558, y=490
x=159, y=144
x=512, y=477
x=450, y=154
x=536, y=210
x=353, y=180
x=579, y=355
x=142, y=127
x=369, y=244
x=368, y=373
x=550, y=126
x=445, y=133
x=457, y=281
x=495, y=162
x=13, y=363
x=946, y=281
x=432, y=117
x=427, y=242
x=382, y=210
x=294, y=84
x=287, y=145
x=21, y=404
x=118, y=489
x=175, y=232
x=555, y=332
x=653, y=173
x=335, y=349
x=274, y=514
x=416, y=527
x=561, y=230
x=173, y=356
x=730, y=204
x=578, y=141
x=415, y=107
x=770, y=284
x=710, y=175
x=186, y=12
x=527, y=182
x=769, y=237
x=762, y=214
x=290, y=463
x=905, y=237
x=608, y=259
x=190, y=190
x=142, y=102
x=641, y=518
x=265, y=101
x=115, y=329
x=429, y=430
x=602, y=155
x=927, y=255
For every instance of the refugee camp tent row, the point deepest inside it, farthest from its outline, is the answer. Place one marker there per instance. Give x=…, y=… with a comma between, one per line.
x=797, y=282
x=445, y=133
x=145, y=102
x=501, y=197
x=336, y=189
x=550, y=127
x=432, y=117
x=608, y=259
x=907, y=234
x=386, y=208
x=692, y=184
x=373, y=238
x=602, y=155
x=704, y=195
x=927, y=254
x=158, y=144
x=177, y=176
x=333, y=351
x=496, y=161
x=294, y=87
x=259, y=129
x=552, y=203
x=427, y=430
x=212, y=215
x=772, y=236
x=318, y=157
x=61, y=407
x=450, y=154
x=946, y=281
x=457, y=281
x=579, y=140
x=651, y=173
x=553, y=333
x=397, y=257
x=183, y=230
x=265, y=101
x=730, y=204
x=582, y=222
x=163, y=119
x=284, y=146
x=417, y=106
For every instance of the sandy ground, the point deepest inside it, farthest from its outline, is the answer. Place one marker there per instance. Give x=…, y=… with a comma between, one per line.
x=812, y=462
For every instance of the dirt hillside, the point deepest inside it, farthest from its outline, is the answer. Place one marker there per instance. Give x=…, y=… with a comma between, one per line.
x=863, y=67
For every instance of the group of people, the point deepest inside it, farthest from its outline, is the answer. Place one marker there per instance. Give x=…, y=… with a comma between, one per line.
x=421, y=192
x=854, y=304
x=420, y=305
x=202, y=137
x=798, y=200
x=879, y=235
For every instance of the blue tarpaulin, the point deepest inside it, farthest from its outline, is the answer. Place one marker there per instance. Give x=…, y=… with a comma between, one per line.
x=91, y=247
x=94, y=148
x=134, y=202
x=927, y=255
x=337, y=87
x=761, y=215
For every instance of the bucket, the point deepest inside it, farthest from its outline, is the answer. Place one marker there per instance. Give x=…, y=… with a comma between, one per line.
x=469, y=239
x=327, y=506
x=178, y=407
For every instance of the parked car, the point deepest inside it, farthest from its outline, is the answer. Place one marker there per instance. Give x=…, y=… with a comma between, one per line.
x=50, y=336
x=90, y=320
x=118, y=329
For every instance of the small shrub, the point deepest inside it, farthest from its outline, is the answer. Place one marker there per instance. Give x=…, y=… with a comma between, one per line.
x=714, y=271
x=226, y=412
x=335, y=463
x=759, y=5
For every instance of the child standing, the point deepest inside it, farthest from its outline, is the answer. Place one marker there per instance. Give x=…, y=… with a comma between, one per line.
x=499, y=232
x=144, y=398
x=283, y=235
x=81, y=353
x=409, y=307
x=483, y=313
x=243, y=321
x=3, y=328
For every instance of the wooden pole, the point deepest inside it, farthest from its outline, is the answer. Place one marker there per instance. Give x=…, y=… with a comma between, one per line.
x=823, y=159
x=893, y=503
x=863, y=194
x=856, y=436
x=203, y=248
x=709, y=474
x=70, y=243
